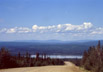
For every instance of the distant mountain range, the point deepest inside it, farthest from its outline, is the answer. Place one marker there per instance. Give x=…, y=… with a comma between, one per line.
x=49, y=46
x=52, y=41
x=38, y=41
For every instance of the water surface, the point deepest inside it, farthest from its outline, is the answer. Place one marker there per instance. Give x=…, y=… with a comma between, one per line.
x=62, y=56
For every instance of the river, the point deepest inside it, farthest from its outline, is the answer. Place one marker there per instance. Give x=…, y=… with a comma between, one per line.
x=62, y=56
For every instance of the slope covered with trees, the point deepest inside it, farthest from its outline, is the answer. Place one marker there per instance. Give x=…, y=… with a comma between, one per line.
x=93, y=58
x=9, y=61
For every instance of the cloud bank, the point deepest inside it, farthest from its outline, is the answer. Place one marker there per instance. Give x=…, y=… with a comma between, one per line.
x=76, y=30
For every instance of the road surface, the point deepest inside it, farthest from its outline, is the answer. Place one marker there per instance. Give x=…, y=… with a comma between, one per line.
x=68, y=67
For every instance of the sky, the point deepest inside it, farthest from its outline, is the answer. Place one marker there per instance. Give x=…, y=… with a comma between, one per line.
x=66, y=20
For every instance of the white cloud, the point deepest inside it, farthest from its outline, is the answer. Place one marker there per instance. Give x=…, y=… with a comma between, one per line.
x=61, y=27
x=97, y=31
x=16, y=30
x=23, y=30
x=51, y=27
x=69, y=27
x=34, y=27
x=76, y=30
x=60, y=31
x=87, y=25
x=12, y=30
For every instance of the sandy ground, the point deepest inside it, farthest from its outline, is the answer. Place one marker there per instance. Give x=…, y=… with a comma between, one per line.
x=68, y=67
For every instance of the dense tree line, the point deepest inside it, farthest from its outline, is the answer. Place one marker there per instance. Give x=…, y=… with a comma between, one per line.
x=9, y=61
x=93, y=58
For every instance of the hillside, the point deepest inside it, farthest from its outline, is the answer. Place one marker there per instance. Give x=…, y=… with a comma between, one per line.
x=49, y=47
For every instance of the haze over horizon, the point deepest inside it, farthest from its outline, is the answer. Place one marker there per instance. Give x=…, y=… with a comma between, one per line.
x=66, y=20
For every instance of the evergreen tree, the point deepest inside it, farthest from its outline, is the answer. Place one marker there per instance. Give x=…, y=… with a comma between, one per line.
x=93, y=59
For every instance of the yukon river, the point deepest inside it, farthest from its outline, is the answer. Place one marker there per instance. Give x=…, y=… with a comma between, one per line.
x=62, y=56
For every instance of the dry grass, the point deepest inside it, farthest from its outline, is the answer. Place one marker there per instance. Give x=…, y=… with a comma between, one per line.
x=84, y=70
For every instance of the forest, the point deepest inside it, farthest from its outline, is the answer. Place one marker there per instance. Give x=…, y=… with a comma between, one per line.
x=10, y=61
x=93, y=58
